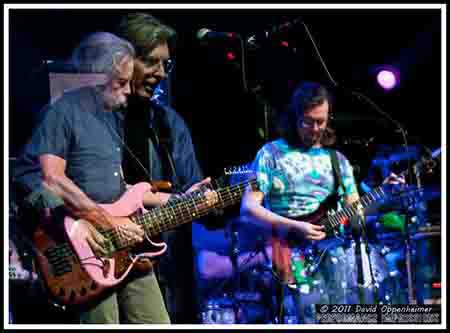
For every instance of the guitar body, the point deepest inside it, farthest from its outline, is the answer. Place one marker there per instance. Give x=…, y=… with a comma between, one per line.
x=281, y=245
x=72, y=272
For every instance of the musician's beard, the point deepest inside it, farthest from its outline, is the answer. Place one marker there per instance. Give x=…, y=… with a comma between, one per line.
x=113, y=101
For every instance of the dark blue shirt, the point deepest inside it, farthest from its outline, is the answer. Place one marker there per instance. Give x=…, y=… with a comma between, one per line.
x=78, y=129
x=185, y=162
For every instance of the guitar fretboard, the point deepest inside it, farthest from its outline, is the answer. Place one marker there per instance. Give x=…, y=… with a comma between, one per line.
x=190, y=207
x=334, y=220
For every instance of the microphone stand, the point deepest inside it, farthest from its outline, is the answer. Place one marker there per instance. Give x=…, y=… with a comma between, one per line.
x=360, y=236
x=368, y=252
x=234, y=255
x=419, y=296
x=359, y=270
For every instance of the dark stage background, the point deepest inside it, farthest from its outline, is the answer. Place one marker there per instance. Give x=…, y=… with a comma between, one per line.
x=228, y=123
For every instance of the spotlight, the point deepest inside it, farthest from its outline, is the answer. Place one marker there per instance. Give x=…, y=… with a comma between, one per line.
x=230, y=56
x=388, y=77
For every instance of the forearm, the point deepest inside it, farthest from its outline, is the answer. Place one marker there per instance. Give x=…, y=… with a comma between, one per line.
x=75, y=200
x=255, y=212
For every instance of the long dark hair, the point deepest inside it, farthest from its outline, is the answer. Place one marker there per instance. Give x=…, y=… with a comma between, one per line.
x=305, y=96
x=144, y=31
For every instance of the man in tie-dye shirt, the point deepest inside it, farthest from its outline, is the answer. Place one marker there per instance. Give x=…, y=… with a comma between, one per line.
x=295, y=175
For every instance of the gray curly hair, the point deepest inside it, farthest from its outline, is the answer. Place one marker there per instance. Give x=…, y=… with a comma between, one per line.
x=101, y=52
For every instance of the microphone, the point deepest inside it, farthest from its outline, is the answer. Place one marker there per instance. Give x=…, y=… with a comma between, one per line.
x=205, y=34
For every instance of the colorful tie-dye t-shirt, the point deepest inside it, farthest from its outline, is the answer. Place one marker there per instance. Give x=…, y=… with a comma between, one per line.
x=296, y=181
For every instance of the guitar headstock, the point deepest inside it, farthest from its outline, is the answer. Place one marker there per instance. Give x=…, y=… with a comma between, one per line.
x=233, y=175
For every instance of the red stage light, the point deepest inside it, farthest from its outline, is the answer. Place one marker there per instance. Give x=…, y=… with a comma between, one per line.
x=231, y=56
x=436, y=285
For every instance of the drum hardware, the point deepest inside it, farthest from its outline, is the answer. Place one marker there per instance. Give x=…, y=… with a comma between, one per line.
x=421, y=235
x=223, y=310
x=218, y=311
x=427, y=231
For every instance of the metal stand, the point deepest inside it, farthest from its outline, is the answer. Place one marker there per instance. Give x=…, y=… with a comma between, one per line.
x=410, y=206
x=374, y=283
x=234, y=255
x=411, y=299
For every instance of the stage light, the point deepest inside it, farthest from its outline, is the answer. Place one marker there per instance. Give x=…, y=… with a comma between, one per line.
x=230, y=56
x=284, y=43
x=388, y=77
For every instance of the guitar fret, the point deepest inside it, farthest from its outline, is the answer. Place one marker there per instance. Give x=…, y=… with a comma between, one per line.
x=166, y=217
x=380, y=195
x=334, y=221
x=343, y=214
x=189, y=207
x=173, y=214
x=195, y=207
x=353, y=209
x=152, y=216
x=362, y=201
x=374, y=195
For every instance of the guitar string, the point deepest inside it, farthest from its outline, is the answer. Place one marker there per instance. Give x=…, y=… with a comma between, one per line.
x=228, y=198
x=185, y=206
x=227, y=201
x=334, y=225
x=193, y=204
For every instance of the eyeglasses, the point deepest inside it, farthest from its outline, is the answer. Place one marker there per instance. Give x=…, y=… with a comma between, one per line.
x=153, y=62
x=309, y=123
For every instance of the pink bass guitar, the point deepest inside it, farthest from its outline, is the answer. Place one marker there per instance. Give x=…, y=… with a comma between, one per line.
x=74, y=274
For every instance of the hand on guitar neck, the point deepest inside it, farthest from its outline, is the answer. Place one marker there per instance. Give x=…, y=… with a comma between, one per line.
x=130, y=232
x=160, y=192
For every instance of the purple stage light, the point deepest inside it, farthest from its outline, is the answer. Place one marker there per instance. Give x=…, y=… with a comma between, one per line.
x=387, y=79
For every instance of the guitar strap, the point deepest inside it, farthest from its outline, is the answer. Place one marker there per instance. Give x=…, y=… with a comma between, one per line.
x=153, y=122
x=161, y=136
x=337, y=173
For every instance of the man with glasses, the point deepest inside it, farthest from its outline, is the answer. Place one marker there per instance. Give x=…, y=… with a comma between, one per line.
x=160, y=139
x=295, y=177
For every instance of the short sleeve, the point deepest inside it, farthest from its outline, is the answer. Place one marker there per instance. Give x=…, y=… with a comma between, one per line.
x=263, y=166
x=53, y=133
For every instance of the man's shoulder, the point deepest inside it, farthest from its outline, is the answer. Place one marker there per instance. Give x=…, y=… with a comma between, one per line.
x=340, y=155
x=174, y=120
x=171, y=114
x=271, y=150
x=274, y=144
x=74, y=97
